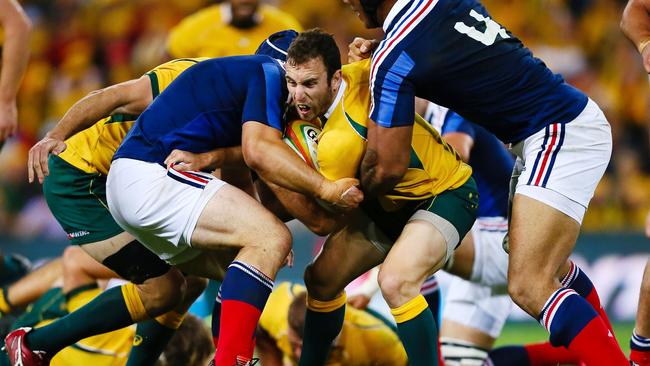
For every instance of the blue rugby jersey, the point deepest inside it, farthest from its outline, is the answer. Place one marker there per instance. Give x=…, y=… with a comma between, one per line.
x=205, y=107
x=491, y=165
x=452, y=53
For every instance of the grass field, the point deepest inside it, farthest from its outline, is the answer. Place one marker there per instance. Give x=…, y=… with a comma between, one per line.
x=522, y=333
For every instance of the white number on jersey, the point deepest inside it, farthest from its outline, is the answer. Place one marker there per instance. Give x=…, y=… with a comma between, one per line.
x=492, y=29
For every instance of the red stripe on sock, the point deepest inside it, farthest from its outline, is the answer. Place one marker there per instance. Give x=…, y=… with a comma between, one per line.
x=544, y=354
x=640, y=358
x=596, y=346
x=236, y=332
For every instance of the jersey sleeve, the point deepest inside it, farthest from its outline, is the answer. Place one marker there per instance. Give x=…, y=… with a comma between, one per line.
x=339, y=154
x=265, y=99
x=392, y=93
x=455, y=123
x=163, y=75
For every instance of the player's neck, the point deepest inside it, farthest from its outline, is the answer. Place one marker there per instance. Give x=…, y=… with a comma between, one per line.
x=383, y=10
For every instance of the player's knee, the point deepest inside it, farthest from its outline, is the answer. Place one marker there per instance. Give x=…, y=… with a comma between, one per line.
x=72, y=257
x=163, y=293
x=318, y=286
x=195, y=287
x=275, y=241
x=396, y=286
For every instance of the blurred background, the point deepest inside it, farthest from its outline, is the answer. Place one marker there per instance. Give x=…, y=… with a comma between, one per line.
x=81, y=45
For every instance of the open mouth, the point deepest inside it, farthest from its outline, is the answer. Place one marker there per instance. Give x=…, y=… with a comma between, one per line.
x=303, y=108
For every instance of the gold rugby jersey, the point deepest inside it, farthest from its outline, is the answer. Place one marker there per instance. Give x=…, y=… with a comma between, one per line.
x=434, y=165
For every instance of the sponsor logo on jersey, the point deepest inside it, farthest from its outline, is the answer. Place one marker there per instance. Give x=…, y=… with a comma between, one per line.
x=78, y=234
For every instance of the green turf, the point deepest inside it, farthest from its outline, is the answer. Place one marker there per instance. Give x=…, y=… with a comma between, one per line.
x=529, y=332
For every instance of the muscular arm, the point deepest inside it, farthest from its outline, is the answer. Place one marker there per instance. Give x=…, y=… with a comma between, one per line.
x=274, y=161
x=15, y=54
x=635, y=24
x=287, y=204
x=386, y=159
x=129, y=97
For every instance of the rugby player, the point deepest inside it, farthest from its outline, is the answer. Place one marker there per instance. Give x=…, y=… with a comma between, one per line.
x=364, y=339
x=452, y=53
x=635, y=24
x=229, y=28
x=73, y=167
x=185, y=217
x=425, y=215
x=65, y=284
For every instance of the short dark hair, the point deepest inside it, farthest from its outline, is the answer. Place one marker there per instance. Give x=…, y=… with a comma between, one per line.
x=297, y=310
x=312, y=44
x=191, y=344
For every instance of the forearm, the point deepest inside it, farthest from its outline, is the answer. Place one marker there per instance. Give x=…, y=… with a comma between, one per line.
x=85, y=113
x=15, y=55
x=306, y=210
x=374, y=179
x=277, y=164
x=635, y=22
x=227, y=157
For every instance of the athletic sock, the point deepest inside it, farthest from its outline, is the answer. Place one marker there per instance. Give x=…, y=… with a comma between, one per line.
x=577, y=280
x=244, y=292
x=151, y=338
x=639, y=349
x=573, y=323
x=5, y=304
x=418, y=331
x=323, y=323
x=508, y=356
x=113, y=309
x=216, y=318
x=431, y=292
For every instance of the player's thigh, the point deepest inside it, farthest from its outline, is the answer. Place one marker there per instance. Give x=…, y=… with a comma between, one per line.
x=345, y=256
x=232, y=218
x=210, y=263
x=541, y=240
x=126, y=257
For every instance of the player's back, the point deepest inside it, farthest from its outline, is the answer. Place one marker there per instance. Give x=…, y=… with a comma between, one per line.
x=452, y=53
x=491, y=165
x=205, y=108
x=92, y=149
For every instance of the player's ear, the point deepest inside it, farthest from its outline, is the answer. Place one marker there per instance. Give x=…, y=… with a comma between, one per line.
x=336, y=80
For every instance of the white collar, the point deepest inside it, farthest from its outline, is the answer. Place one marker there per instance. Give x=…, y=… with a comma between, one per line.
x=397, y=7
x=337, y=99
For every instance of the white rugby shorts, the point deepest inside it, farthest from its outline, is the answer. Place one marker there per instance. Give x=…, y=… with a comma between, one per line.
x=159, y=207
x=562, y=164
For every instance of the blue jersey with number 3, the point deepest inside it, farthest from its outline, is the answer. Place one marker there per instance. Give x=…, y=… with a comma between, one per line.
x=452, y=53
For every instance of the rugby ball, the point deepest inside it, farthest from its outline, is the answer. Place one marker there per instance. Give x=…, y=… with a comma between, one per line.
x=302, y=138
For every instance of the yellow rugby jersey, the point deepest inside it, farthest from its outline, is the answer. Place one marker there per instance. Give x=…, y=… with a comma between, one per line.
x=434, y=166
x=92, y=149
x=207, y=33
x=364, y=339
x=108, y=349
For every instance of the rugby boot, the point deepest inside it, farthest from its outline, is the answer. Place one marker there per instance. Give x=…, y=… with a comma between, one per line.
x=19, y=352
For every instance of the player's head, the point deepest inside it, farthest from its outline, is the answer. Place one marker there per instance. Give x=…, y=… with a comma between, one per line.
x=244, y=13
x=191, y=345
x=366, y=10
x=296, y=317
x=313, y=72
x=277, y=44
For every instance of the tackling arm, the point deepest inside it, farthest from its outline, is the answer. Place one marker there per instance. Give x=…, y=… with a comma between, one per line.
x=129, y=97
x=635, y=24
x=386, y=159
x=274, y=161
